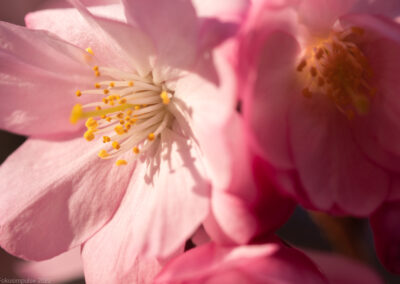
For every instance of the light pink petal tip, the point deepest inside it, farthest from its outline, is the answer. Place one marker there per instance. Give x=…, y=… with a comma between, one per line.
x=38, y=87
x=173, y=27
x=270, y=263
x=55, y=195
x=65, y=267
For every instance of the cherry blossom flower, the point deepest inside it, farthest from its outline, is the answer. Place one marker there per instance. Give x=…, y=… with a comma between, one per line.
x=155, y=97
x=319, y=83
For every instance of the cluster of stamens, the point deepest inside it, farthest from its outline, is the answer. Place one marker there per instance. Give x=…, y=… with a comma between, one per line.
x=130, y=115
x=337, y=68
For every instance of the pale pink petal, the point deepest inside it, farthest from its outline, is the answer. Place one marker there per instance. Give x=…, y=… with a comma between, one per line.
x=269, y=263
x=386, y=227
x=265, y=106
x=332, y=168
x=341, y=270
x=65, y=267
x=55, y=195
x=203, y=109
x=320, y=15
x=163, y=207
x=173, y=26
x=38, y=87
x=219, y=20
x=51, y=4
x=123, y=41
x=200, y=237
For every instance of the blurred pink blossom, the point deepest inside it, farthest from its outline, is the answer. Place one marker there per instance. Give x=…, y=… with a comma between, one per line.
x=319, y=84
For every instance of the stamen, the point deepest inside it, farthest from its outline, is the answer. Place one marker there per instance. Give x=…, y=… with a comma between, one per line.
x=121, y=163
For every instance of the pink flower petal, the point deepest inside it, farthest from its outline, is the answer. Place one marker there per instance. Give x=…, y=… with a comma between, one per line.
x=219, y=20
x=163, y=207
x=204, y=109
x=71, y=26
x=390, y=8
x=320, y=15
x=55, y=195
x=269, y=263
x=39, y=86
x=386, y=227
x=65, y=267
x=332, y=167
x=265, y=107
x=173, y=26
x=123, y=41
x=383, y=123
x=341, y=270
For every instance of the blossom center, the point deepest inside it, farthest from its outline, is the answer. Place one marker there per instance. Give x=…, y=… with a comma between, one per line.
x=130, y=115
x=337, y=68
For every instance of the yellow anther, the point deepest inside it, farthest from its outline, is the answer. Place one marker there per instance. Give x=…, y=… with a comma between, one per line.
x=164, y=97
x=106, y=91
x=301, y=65
x=137, y=107
x=151, y=136
x=98, y=108
x=96, y=68
x=97, y=73
x=78, y=93
x=127, y=118
x=89, y=135
x=97, y=86
x=127, y=125
x=120, y=115
x=133, y=121
x=103, y=154
x=122, y=121
x=105, y=100
x=103, y=116
x=108, y=119
x=112, y=84
x=313, y=71
x=91, y=123
x=111, y=102
x=129, y=112
x=115, y=145
x=121, y=163
x=89, y=50
x=130, y=83
x=122, y=101
x=119, y=129
x=136, y=150
x=76, y=113
x=106, y=139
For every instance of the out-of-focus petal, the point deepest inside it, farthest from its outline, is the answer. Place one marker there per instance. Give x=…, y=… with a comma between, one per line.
x=357, y=186
x=386, y=227
x=265, y=110
x=320, y=15
x=55, y=195
x=269, y=263
x=65, y=267
x=38, y=87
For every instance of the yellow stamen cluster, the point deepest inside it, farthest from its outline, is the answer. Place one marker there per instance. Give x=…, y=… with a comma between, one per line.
x=120, y=111
x=336, y=67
